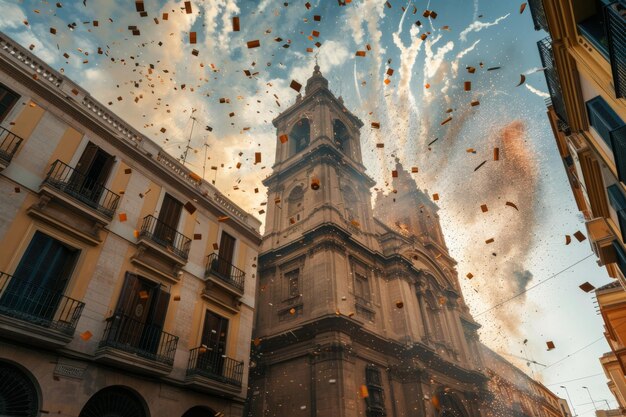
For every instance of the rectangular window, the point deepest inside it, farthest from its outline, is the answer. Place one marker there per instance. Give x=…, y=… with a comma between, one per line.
x=8, y=99
x=213, y=350
x=603, y=118
x=169, y=216
x=293, y=283
x=376, y=399
x=140, y=313
x=361, y=282
x=39, y=282
x=91, y=173
x=226, y=254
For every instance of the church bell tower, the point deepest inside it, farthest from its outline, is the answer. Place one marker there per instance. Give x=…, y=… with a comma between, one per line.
x=353, y=319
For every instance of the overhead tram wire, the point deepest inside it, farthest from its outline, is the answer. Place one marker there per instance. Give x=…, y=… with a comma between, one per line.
x=500, y=304
x=582, y=348
x=575, y=379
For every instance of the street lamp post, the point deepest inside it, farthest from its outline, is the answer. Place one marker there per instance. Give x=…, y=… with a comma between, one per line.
x=594, y=403
x=570, y=400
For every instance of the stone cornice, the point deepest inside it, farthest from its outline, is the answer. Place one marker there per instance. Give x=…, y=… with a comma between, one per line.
x=418, y=353
x=322, y=153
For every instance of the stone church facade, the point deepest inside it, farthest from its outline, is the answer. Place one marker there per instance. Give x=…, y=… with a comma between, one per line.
x=359, y=310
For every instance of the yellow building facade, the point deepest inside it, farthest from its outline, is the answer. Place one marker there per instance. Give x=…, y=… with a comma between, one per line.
x=584, y=58
x=126, y=281
x=516, y=394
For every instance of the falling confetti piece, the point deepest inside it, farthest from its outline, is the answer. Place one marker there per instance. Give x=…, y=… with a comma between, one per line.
x=399, y=304
x=188, y=7
x=375, y=125
x=522, y=7
x=236, y=27
x=191, y=209
x=586, y=287
x=480, y=166
x=197, y=236
x=496, y=154
x=223, y=218
x=257, y=157
x=253, y=44
x=522, y=80
x=315, y=183
x=550, y=345
x=469, y=275
x=86, y=335
x=484, y=208
x=364, y=392
x=283, y=138
x=580, y=236
x=122, y=217
x=488, y=241
x=568, y=240
x=143, y=295
x=436, y=196
x=295, y=85
x=508, y=203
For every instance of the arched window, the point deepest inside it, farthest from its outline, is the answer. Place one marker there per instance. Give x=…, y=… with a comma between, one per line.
x=18, y=394
x=299, y=137
x=341, y=136
x=115, y=401
x=351, y=204
x=451, y=405
x=295, y=204
x=435, y=316
x=200, y=411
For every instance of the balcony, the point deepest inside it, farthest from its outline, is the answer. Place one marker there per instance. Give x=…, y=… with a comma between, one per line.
x=132, y=344
x=226, y=273
x=538, y=14
x=214, y=371
x=615, y=18
x=74, y=203
x=162, y=250
x=9, y=142
x=552, y=78
x=35, y=314
x=601, y=238
x=83, y=189
x=165, y=236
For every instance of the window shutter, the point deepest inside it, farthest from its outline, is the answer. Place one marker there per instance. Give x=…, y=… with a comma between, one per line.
x=615, y=18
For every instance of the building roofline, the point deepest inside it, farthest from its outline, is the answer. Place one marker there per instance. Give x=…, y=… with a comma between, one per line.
x=51, y=81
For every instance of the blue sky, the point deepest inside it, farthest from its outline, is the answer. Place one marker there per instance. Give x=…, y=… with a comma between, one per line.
x=529, y=244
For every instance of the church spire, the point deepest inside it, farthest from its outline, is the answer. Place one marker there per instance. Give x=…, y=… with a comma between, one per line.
x=316, y=81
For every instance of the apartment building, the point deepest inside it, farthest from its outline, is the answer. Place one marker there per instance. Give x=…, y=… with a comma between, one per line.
x=126, y=281
x=584, y=56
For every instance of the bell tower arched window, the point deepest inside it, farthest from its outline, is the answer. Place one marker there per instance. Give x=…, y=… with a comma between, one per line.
x=295, y=204
x=341, y=136
x=299, y=137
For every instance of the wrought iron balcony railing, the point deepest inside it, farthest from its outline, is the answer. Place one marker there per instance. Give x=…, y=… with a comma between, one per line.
x=82, y=188
x=166, y=236
x=552, y=78
x=146, y=340
x=539, y=15
x=9, y=142
x=225, y=271
x=615, y=18
x=205, y=362
x=38, y=305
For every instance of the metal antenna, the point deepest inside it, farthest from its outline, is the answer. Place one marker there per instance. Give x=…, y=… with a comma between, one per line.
x=206, y=146
x=193, y=122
